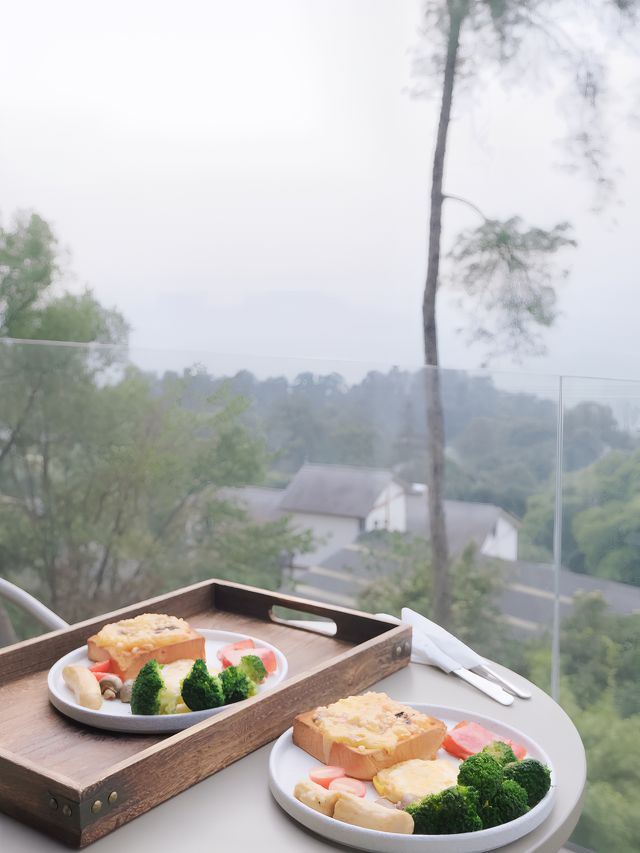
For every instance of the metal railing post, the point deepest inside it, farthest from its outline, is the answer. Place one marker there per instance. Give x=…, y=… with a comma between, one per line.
x=557, y=548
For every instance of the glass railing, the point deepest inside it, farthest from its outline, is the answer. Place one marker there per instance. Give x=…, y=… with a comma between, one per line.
x=600, y=631
x=127, y=473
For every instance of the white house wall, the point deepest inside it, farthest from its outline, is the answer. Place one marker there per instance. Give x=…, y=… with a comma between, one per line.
x=331, y=532
x=389, y=511
x=503, y=542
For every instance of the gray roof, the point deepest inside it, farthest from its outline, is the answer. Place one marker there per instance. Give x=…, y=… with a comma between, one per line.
x=467, y=521
x=527, y=595
x=623, y=598
x=335, y=490
x=262, y=503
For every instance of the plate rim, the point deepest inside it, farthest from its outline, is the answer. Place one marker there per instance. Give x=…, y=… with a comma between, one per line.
x=483, y=836
x=142, y=723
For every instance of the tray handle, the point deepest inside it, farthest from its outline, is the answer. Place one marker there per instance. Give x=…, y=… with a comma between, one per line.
x=350, y=625
x=297, y=620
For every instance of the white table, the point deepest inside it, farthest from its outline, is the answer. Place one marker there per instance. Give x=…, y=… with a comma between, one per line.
x=233, y=811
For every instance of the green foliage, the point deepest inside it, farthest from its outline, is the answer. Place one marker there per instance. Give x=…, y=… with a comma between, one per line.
x=29, y=307
x=608, y=537
x=28, y=266
x=110, y=481
x=399, y=568
x=501, y=445
x=588, y=650
x=476, y=612
x=509, y=281
x=115, y=485
x=610, y=818
x=605, y=707
x=601, y=531
x=600, y=654
x=627, y=682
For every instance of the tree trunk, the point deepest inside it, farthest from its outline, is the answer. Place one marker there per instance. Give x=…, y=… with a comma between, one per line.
x=435, y=413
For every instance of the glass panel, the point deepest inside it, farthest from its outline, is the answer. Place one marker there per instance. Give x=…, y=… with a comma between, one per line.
x=128, y=473
x=600, y=587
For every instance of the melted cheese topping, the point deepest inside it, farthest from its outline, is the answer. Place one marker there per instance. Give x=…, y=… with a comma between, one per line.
x=173, y=674
x=372, y=721
x=143, y=633
x=416, y=777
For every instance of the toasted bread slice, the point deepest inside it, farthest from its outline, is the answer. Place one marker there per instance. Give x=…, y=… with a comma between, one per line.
x=340, y=734
x=129, y=644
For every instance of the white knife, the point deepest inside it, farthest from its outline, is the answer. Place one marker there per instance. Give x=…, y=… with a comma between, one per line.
x=456, y=649
x=424, y=650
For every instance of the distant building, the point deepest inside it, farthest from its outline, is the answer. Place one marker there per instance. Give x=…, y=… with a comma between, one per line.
x=338, y=503
x=493, y=530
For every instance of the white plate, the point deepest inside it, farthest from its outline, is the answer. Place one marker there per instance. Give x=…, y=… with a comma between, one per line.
x=116, y=716
x=289, y=765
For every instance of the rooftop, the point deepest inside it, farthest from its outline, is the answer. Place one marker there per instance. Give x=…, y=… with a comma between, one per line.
x=342, y=490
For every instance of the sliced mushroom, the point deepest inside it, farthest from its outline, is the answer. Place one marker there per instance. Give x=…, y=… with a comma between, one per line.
x=110, y=686
x=383, y=801
x=125, y=690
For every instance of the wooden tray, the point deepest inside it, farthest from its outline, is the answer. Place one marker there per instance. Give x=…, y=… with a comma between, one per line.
x=78, y=784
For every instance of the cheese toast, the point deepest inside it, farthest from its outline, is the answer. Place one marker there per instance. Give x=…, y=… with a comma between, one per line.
x=365, y=734
x=130, y=643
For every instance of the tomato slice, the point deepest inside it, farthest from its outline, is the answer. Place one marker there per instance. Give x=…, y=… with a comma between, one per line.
x=100, y=675
x=466, y=738
x=348, y=786
x=103, y=666
x=240, y=644
x=326, y=774
x=268, y=657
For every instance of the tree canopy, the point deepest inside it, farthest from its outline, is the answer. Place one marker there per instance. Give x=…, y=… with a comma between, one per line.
x=109, y=480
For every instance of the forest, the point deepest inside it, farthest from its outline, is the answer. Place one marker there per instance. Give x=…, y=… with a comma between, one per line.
x=501, y=449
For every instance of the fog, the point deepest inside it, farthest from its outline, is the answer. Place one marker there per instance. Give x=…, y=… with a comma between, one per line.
x=252, y=178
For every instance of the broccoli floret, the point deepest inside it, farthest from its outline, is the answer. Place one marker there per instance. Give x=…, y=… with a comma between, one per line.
x=482, y=772
x=509, y=803
x=533, y=776
x=236, y=685
x=489, y=816
x=501, y=751
x=253, y=667
x=200, y=689
x=450, y=811
x=149, y=694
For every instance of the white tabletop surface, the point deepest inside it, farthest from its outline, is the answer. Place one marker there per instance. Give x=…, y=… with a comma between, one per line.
x=234, y=811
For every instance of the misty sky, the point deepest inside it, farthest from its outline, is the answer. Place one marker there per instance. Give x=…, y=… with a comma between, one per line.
x=252, y=177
